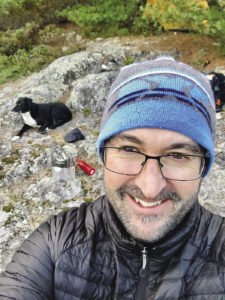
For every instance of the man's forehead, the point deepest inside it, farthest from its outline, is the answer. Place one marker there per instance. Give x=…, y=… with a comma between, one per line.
x=154, y=136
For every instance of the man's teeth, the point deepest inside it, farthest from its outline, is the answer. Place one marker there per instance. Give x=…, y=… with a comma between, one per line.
x=147, y=204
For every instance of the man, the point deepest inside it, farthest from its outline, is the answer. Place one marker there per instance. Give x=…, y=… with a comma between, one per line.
x=148, y=238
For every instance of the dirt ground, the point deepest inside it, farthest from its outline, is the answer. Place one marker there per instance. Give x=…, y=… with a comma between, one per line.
x=190, y=48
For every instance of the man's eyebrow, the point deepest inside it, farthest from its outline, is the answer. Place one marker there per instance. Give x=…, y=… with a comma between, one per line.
x=194, y=148
x=127, y=137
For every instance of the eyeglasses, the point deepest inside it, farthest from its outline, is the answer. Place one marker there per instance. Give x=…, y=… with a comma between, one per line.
x=174, y=166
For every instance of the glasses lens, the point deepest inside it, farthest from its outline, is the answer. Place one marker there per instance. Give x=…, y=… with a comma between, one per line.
x=123, y=162
x=182, y=167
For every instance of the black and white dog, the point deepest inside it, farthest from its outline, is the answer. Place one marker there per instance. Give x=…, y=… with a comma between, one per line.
x=49, y=115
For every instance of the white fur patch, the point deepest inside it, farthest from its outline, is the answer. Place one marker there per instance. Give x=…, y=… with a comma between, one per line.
x=29, y=120
x=15, y=138
x=219, y=116
x=210, y=76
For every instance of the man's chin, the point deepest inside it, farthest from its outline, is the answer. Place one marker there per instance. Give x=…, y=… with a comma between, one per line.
x=148, y=229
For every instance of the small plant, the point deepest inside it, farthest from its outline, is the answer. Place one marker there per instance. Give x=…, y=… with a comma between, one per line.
x=88, y=200
x=65, y=209
x=87, y=112
x=2, y=174
x=85, y=191
x=12, y=158
x=7, y=208
x=8, y=221
x=129, y=60
x=95, y=133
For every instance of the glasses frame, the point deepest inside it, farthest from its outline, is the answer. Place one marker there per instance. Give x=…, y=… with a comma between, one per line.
x=147, y=157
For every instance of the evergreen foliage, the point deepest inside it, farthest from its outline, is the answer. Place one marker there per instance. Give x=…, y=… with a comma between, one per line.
x=111, y=17
x=25, y=62
x=23, y=38
x=15, y=13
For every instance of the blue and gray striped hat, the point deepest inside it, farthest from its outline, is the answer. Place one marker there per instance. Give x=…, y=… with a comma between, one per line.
x=161, y=93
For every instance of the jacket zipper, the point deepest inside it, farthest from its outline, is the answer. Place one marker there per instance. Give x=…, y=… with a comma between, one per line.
x=142, y=272
x=144, y=258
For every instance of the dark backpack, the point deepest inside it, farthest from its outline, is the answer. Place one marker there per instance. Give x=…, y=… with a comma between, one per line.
x=217, y=81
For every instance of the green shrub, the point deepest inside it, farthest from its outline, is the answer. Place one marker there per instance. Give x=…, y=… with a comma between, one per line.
x=141, y=24
x=176, y=14
x=209, y=21
x=22, y=38
x=25, y=62
x=11, y=14
x=51, y=34
x=15, y=13
x=110, y=17
x=215, y=23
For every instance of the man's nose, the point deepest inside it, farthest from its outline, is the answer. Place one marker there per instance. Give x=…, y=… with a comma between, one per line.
x=150, y=180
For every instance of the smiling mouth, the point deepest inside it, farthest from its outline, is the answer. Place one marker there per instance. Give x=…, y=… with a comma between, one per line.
x=146, y=204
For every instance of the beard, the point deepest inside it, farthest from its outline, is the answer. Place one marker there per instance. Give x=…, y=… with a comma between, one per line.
x=149, y=227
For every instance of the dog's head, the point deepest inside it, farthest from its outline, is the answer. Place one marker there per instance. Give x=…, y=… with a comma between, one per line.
x=23, y=105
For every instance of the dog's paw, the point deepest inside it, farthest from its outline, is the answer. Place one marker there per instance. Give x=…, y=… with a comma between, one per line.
x=42, y=131
x=15, y=138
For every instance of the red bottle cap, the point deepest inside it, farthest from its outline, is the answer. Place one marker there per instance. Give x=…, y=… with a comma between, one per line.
x=85, y=167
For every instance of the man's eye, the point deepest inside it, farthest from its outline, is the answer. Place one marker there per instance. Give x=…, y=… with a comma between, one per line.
x=128, y=149
x=179, y=156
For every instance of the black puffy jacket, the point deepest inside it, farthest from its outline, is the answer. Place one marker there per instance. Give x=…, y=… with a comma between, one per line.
x=86, y=254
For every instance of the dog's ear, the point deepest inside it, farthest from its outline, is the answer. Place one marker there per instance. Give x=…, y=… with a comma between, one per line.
x=19, y=100
x=28, y=101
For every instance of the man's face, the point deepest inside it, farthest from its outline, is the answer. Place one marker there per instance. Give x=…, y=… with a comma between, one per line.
x=149, y=205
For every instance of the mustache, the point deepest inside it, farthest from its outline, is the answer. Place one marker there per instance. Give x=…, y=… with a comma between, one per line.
x=135, y=192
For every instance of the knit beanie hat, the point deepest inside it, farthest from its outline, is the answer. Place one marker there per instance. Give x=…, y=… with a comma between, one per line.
x=161, y=93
